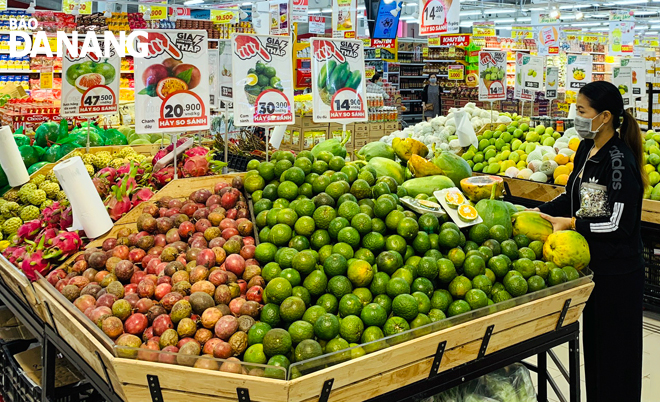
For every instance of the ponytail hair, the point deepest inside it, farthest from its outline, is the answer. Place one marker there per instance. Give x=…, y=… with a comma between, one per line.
x=632, y=136
x=604, y=96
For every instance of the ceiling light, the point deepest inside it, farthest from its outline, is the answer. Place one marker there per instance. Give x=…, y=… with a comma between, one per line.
x=524, y=19
x=192, y=2
x=568, y=17
x=599, y=15
x=652, y=33
x=504, y=20
x=555, y=14
x=630, y=2
x=655, y=27
x=587, y=24
x=537, y=9
x=465, y=24
x=579, y=15
x=578, y=6
x=505, y=11
x=641, y=27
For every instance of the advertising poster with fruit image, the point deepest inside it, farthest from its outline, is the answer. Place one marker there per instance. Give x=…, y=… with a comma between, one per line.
x=171, y=82
x=214, y=78
x=492, y=76
x=638, y=68
x=439, y=16
x=551, y=82
x=90, y=85
x=263, y=80
x=226, y=81
x=344, y=18
x=578, y=74
x=338, y=80
x=622, y=80
x=518, y=83
x=533, y=77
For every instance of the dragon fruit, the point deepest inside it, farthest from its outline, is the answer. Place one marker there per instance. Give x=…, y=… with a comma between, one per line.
x=102, y=186
x=196, y=151
x=196, y=166
x=107, y=173
x=51, y=215
x=63, y=246
x=143, y=194
x=119, y=201
x=164, y=176
x=160, y=154
x=48, y=234
x=28, y=231
x=66, y=219
x=34, y=261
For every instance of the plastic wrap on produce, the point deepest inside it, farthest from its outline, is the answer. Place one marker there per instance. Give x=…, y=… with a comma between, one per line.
x=464, y=129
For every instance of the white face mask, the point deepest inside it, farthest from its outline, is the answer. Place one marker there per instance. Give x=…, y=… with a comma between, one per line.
x=583, y=127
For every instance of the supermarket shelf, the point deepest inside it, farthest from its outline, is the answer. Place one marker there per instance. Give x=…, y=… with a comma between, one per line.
x=598, y=62
x=373, y=60
x=126, y=71
x=406, y=51
x=411, y=100
x=392, y=72
x=442, y=61
x=411, y=89
x=411, y=64
x=413, y=76
x=18, y=71
x=599, y=72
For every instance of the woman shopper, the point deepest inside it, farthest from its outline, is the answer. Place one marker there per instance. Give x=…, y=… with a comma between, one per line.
x=603, y=202
x=431, y=97
x=375, y=86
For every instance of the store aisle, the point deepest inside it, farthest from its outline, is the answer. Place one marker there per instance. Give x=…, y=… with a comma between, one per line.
x=650, y=369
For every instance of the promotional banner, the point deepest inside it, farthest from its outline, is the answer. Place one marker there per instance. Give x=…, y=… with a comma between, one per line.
x=299, y=10
x=638, y=67
x=344, y=18
x=492, y=76
x=578, y=74
x=225, y=16
x=518, y=84
x=214, y=78
x=387, y=20
x=483, y=29
x=225, y=81
x=316, y=24
x=438, y=16
x=263, y=80
x=171, y=85
x=338, y=81
x=154, y=12
x=551, y=82
x=622, y=79
x=90, y=85
x=622, y=38
x=279, y=17
x=84, y=7
x=520, y=32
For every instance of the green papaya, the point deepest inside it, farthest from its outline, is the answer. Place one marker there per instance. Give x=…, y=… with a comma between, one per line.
x=29, y=155
x=387, y=167
x=333, y=145
x=427, y=185
x=51, y=154
x=452, y=166
x=494, y=212
x=532, y=225
x=354, y=80
x=332, y=64
x=36, y=167
x=21, y=139
x=374, y=149
x=323, y=76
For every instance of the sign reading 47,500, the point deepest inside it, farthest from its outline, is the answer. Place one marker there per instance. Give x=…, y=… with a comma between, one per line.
x=262, y=80
x=338, y=80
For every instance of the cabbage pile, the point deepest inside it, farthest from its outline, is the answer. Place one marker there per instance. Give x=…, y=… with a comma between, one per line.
x=440, y=131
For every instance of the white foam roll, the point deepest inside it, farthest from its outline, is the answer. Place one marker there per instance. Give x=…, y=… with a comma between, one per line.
x=276, y=136
x=10, y=159
x=89, y=213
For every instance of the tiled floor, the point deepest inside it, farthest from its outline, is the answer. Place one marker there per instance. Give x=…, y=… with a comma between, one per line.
x=650, y=369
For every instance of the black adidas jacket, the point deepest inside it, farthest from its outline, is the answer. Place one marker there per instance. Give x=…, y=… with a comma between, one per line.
x=615, y=240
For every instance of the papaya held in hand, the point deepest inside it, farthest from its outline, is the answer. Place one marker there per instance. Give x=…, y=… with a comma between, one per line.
x=404, y=149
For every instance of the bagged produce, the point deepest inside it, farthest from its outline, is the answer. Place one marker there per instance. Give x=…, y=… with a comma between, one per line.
x=532, y=225
x=387, y=167
x=29, y=155
x=404, y=149
x=52, y=153
x=114, y=137
x=427, y=185
x=421, y=167
x=46, y=134
x=36, y=167
x=375, y=149
x=452, y=166
x=21, y=140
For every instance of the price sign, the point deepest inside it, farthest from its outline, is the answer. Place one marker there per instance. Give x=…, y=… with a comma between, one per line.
x=226, y=16
x=438, y=16
x=90, y=85
x=492, y=76
x=638, y=74
x=433, y=40
x=46, y=78
x=155, y=12
x=369, y=72
x=214, y=78
x=344, y=18
x=84, y=7
x=172, y=84
x=225, y=78
x=338, y=81
x=455, y=72
x=578, y=74
x=622, y=79
x=262, y=78
x=551, y=82
x=563, y=106
x=533, y=75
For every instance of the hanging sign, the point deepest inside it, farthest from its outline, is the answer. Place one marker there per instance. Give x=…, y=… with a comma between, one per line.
x=518, y=85
x=492, y=76
x=547, y=40
x=225, y=16
x=622, y=79
x=263, y=80
x=456, y=72
x=621, y=38
x=225, y=81
x=316, y=24
x=551, y=82
x=455, y=40
x=214, y=79
x=154, y=12
x=279, y=17
x=438, y=16
x=520, y=32
x=483, y=29
x=369, y=72
x=3, y=4
x=638, y=74
x=338, y=81
x=344, y=18
x=171, y=89
x=299, y=10
x=533, y=78
x=84, y=7
x=578, y=74
x=90, y=85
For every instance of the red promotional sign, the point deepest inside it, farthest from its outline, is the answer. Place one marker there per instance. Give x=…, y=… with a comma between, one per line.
x=383, y=43
x=316, y=24
x=459, y=40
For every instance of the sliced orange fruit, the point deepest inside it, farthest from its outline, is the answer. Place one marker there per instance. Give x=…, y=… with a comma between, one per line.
x=467, y=213
x=454, y=198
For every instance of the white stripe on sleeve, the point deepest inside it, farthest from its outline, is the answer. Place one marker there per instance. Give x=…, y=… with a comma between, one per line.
x=613, y=224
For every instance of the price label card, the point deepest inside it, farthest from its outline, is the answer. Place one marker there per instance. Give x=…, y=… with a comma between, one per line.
x=578, y=74
x=622, y=79
x=438, y=16
x=214, y=78
x=262, y=80
x=155, y=12
x=551, y=82
x=225, y=79
x=85, y=7
x=90, y=84
x=338, y=81
x=492, y=76
x=172, y=82
x=532, y=76
x=456, y=72
x=227, y=16
x=638, y=74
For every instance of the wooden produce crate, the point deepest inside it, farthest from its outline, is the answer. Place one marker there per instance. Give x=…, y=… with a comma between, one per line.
x=21, y=286
x=408, y=359
x=651, y=211
x=533, y=190
x=179, y=188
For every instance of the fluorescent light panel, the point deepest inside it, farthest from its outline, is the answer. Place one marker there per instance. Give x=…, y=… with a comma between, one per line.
x=578, y=6
x=471, y=12
x=193, y=2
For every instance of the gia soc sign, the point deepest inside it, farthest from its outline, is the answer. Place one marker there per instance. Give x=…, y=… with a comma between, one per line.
x=338, y=80
x=172, y=82
x=262, y=80
x=91, y=83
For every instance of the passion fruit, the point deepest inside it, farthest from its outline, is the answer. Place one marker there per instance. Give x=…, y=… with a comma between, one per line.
x=169, y=85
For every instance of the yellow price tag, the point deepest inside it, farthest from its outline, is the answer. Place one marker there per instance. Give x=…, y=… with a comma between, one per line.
x=223, y=16
x=3, y=4
x=425, y=52
x=377, y=53
x=52, y=42
x=455, y=72
x=84, y=7
x=156, y=13
x=434, y=41
x=46, y=78
x=367, y=42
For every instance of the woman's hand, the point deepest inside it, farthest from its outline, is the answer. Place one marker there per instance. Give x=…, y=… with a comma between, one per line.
x=533, y=209
x=558, y=224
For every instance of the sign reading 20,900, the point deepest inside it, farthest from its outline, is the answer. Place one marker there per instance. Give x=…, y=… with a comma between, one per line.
x=338, y=81
x=262, y=80
x=171, y=83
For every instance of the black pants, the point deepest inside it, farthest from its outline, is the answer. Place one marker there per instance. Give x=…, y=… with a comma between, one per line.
x=613, y=337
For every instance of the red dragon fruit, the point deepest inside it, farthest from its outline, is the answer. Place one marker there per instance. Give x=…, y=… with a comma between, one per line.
x=63, y=246
x=48, y=234
x=142, y=195
x=28, y=231
x=196, y=151
x=164, y=176
x=160, y=154
x=102, y=186
x=66, y=219
x=196, y=166
x=51, y=215
x=34, y=261
x=107, y=173
x=119, y=202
